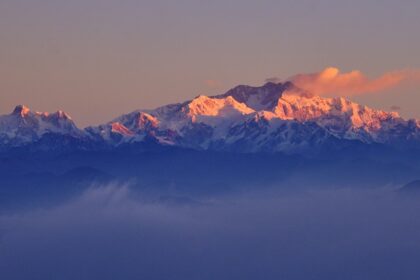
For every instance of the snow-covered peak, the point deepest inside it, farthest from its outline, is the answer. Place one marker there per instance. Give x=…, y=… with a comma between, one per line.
x=304, y=108
x=258, y=98
x=129, y=127
x=221, y=107
x=24, y=125
x=137, y=121
x=21, y=110
x=117, y=127
x=60, y=115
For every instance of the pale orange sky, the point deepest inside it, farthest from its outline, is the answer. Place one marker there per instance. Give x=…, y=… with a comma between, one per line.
x=97, y=59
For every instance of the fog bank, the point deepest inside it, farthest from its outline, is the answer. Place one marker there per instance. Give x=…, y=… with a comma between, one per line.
x=106, y=233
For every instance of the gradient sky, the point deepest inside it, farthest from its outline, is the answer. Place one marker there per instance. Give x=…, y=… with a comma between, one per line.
x=97, y=59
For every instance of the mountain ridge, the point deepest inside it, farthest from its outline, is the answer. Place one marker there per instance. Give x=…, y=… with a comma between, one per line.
x=275, y=117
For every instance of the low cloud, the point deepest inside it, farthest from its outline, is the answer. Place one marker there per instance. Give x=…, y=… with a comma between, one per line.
x=108, y=234
x=332, y=82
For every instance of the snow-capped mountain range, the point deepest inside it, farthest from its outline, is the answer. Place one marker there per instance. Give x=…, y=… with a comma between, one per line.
x=275, y=117
x=23, y=126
